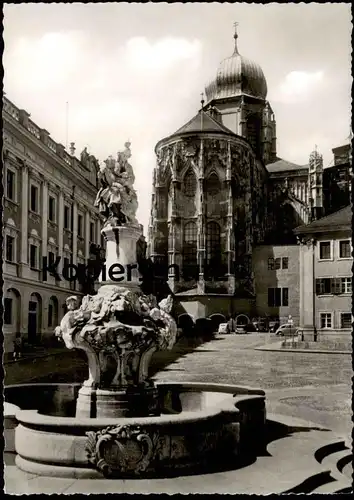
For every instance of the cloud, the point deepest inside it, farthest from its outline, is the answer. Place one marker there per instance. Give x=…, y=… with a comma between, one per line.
x=161, y=56
x=298, y=86
x=48, y=61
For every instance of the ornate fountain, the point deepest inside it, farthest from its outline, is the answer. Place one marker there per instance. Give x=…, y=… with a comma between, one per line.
x=119, y=423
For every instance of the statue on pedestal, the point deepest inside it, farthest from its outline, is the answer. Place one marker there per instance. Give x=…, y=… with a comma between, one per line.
x=116, y=198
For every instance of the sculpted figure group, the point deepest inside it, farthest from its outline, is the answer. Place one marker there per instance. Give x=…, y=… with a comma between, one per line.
x=116, y=198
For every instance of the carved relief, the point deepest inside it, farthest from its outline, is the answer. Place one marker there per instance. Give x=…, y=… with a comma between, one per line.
x=121, y=450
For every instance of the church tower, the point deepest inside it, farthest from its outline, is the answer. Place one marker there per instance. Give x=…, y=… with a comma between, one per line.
x=316, y=184
x=237, y=98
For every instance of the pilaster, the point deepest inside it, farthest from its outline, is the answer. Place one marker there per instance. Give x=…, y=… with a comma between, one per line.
x=307, y=303
x=172, y=228
x=201, y=220
x=44, y=218
x=98, y=232
x=24, y=216
x=87, y=234
x=230, y=228
x=61, y=230
x=74, y=208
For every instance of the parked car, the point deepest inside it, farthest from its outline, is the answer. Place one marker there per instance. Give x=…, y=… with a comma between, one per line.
x=224, y=328
x=259, y=325
x=274, y=325
x=286, y=330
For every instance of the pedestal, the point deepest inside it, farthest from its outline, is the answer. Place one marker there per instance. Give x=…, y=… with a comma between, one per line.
x=121, y=266
x=120, y=403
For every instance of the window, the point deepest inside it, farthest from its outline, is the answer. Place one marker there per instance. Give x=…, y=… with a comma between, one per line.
x=33, y=256
x=278, y=263
x=79, y=225
x=66, y=262
x=50, y=315
x=326, y=320
x=189, y=183
x=51, y=258
x=92, y=231
x=190, y=262
x=278, y=297
x=345, y=320
x=66, y=217
x=10, y=185
x=213, y=184
x=285, y=297
x=34, y=199
x=344, y=249
x=325, y=250
x=10, y=248
x=323, y=286
x=213, y=244
x=51, y=209
x=7, y=311
x=345, y=285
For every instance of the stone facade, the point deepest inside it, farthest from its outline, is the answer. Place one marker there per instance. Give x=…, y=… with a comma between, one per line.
x=208, y=193
x=48, y=212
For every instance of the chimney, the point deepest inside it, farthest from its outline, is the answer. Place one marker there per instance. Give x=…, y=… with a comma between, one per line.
x=72, y=148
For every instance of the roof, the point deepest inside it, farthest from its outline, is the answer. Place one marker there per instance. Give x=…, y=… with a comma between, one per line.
x=342, y=219
x=284, y=166
x=203, y=122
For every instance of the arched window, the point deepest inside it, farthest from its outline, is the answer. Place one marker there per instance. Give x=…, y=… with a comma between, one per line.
x=189, y=183
x=190, y=262
x=213, y=246
x=53, y=312
x=213, y=184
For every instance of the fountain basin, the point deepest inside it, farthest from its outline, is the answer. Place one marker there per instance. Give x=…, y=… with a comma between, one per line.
x=199, y=425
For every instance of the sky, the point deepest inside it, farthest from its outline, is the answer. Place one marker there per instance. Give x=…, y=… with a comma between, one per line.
x=136, y=71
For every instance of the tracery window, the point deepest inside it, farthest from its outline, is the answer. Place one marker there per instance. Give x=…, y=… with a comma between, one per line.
x=213, y=184
x=190, y=183
x=213, y=244
x=190, y=262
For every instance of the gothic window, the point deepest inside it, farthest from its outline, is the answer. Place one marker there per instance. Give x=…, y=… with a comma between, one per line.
x=213, y=184
x=189, y=183
x=190, y=250
x=213, y=250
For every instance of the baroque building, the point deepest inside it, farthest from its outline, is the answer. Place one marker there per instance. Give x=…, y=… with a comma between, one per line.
x=48, y=213
x=221, y=197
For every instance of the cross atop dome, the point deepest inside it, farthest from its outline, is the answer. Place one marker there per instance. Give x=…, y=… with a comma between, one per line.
x=236, y=37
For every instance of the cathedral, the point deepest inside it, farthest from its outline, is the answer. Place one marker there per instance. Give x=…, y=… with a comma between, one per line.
x=220, y=192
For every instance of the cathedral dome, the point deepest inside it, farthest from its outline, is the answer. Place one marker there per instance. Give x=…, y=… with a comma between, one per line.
x=237, y=75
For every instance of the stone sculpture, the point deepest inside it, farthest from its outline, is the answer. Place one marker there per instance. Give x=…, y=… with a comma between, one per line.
x=116, y=198
x=120, y=324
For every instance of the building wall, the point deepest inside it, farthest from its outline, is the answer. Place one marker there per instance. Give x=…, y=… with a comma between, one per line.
x=266, y=278
x=315, y=301
x=36, y=160
x=336, y=267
